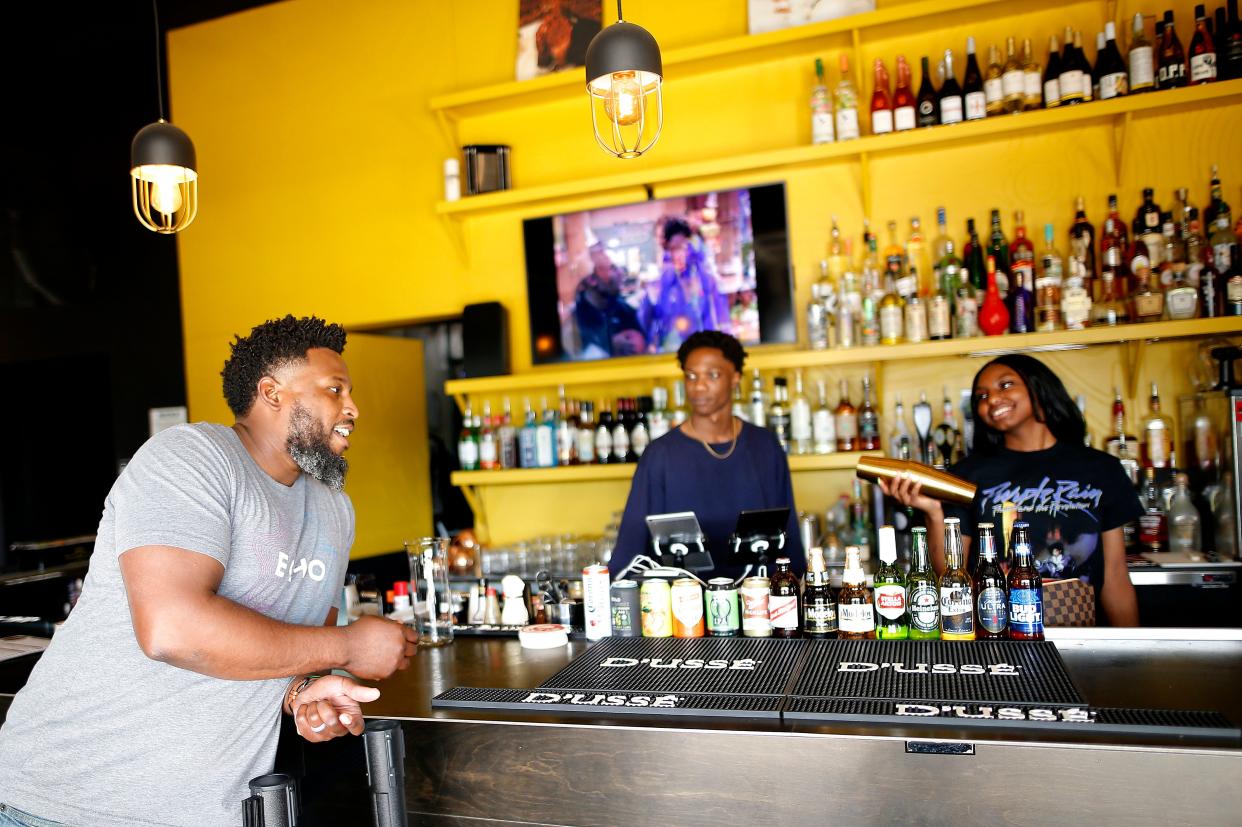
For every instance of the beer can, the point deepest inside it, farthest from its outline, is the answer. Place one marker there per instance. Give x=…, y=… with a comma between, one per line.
x=626, y=609
x=596, y=602
x=687, y=597
x=755, y=619
x=723, y=617
x=656, y=598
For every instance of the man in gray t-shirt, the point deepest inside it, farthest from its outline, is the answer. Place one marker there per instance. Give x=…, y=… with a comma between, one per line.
x=219, y=558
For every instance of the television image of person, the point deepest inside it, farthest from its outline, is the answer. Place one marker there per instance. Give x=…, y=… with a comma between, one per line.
x=607, y=324
x=687, y=299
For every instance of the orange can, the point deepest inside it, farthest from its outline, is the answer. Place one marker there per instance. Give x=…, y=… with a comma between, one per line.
x=688, y=618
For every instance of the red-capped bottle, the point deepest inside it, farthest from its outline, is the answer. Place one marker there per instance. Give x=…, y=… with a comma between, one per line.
x=904, y=104
x=993, y=315
x=881, y=101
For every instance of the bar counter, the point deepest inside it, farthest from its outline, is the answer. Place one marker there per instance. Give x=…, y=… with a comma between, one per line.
x=593, y=769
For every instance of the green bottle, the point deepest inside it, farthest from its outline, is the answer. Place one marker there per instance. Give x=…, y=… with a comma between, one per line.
x=890, y=591
x=922, y=590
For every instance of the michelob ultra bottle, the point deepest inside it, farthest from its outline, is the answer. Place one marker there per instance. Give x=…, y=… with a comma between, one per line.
x=890, y=591
x=991, y=599
x=922, y=590
x=957, y=604
x=1026, y=594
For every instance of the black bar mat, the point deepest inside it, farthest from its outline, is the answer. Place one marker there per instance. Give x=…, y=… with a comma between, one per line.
x=982, y=671
x=707, y=665
x=534, y=701
x=1200, y=724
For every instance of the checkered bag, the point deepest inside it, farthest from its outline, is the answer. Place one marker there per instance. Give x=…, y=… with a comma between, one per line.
x=1069, y=603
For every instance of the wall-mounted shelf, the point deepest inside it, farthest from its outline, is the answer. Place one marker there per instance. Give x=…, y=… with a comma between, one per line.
x=693, y=59
x=1120, y=110
x=665, y=367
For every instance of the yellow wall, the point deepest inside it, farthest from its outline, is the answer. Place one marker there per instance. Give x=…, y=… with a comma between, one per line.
x=321, y=160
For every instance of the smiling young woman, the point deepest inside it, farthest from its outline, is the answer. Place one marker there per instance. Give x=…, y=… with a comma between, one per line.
x=1029, y=463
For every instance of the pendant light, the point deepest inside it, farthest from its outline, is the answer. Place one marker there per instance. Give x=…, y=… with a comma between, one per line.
x=163, y=172
x=624, y=76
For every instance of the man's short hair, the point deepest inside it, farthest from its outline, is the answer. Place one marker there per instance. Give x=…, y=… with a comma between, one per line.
x=675, y=226
x=723, y=342
x=269, y=347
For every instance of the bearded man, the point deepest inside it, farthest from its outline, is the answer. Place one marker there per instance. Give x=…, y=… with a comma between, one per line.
x=207, y=608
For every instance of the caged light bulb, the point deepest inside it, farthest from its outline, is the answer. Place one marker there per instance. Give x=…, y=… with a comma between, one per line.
x=624, y=102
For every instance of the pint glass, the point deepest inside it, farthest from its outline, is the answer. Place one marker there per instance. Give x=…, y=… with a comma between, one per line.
x=429, y=585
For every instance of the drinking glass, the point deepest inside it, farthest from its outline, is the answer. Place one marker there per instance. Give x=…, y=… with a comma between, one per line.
x=429, y=578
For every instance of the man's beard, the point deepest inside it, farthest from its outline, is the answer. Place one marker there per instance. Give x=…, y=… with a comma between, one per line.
x=308, y=445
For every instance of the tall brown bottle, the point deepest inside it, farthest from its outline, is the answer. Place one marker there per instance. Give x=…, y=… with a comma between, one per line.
x=783, y=601
x=855, y=611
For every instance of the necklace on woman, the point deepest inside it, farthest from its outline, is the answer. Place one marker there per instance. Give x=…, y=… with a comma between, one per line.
x=707, y=446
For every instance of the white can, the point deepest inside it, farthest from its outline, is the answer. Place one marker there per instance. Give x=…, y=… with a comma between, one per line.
x=596, y=602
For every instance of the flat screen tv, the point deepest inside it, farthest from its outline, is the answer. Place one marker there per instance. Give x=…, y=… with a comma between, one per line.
x=640, y=278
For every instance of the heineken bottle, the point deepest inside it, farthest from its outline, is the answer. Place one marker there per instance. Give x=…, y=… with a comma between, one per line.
x=922, y=590
x=890, y=591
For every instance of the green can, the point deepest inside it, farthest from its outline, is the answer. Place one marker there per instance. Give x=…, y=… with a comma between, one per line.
x=723, y=610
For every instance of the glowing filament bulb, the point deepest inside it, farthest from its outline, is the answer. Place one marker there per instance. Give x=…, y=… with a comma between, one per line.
x=623, y=104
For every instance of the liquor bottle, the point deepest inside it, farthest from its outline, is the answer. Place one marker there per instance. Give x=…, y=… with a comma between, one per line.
x=800, y=434
x=1051, y=312
x=849, y=302
x=890, y=591
x=1026, y=590
x=1148, y=227
x=740, y=409
x=941, y=244
x=1156, y=449
x=991, y=596
x=957, y=604
x=993, y=83
x=965, y=308
x=1013, y=80
x=1120, y=443
x=928, y=101
x=1109, y=310
x=1099, y=65
x=855, y=612
x=1171, y=71
x=1232, y=52
x=869, y=313
x=586, y=429
x=1021, y=306
x=1114, y=243
x=603, y=436
x=916, y=309
x=1114, y=77
x=1154, y=522
x=778, y=414
x=1184, y=530
x=892, y=313
x=845, y=101
x=916, y=257
x=566, y=432
x=758, y=402
x=823, y=424
x=1181, y=298
x=949, y=99
x=1032, y=79
x=904, y=104
x=1082, y=243
x=900, y=445
x=1203, y=57
x=1220, y=38
x=846, y=416
x=1211, y=294
x=1071, y=79
x=868, y=420
x=881, y=101
x=622, y=448
x=940, y=317
x=976, y=269
x=658, y=422
x=1052, y=75
x=1021, y=250
x=946, y=433
x=837, y=262
x=1084, y=68
x=468, y=442
x=998, y=249
x=894, y=253
x=680, y=410
x=545, y=438
x=508, y=439
x=993, y=316
x=1222, y=236
x=640, y=433
x=819, y=607
x=1140, y=58
x=821, y=108
x=974, y=99
x=1233, y=284
x=783, y=601
x=489, y=442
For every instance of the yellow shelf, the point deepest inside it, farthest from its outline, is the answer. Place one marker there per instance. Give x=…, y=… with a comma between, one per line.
x=665, y=367
x=692, y=59
x=915, y=139
x=845, y=460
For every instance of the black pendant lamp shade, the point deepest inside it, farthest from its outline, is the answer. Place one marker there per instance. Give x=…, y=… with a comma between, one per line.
x=624, y=75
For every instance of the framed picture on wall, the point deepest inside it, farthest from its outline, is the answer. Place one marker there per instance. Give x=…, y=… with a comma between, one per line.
x=770, y=15
x=553, y=35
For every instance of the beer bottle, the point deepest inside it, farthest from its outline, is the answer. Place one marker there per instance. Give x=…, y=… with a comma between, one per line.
x=991, y=600
x=783, y=601
x=922, y=592
x=1026, y=594
x=854, y=610
x=890, y=591
x=957, y=605
x=819, y=608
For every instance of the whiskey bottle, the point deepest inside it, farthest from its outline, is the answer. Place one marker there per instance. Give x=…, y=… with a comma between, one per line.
x=1156, y=449
x=846, y=416
x=1109, y=310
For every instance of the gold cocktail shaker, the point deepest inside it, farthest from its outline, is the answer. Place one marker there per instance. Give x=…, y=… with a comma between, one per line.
x=936, y=484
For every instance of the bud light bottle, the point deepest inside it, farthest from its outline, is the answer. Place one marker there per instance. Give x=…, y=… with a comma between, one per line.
x=1026, y=595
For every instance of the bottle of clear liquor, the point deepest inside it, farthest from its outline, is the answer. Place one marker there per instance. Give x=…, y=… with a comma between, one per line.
x=892, y=313
x=758, y=401
x=1184, y=528
x=868, y=420
x=801, y=436
x=778, y=414
x=823, y=424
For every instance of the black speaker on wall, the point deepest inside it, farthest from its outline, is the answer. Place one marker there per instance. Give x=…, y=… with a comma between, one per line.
x=485, y=339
